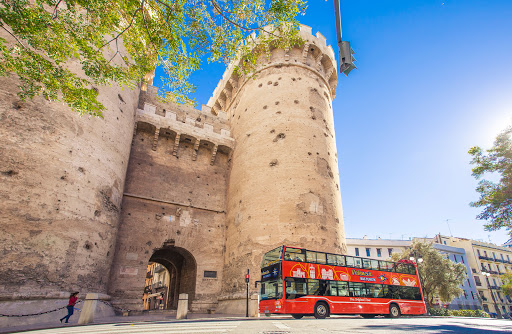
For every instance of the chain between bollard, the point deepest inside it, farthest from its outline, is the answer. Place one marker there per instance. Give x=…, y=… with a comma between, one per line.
x=115, y=307
x=34, y=314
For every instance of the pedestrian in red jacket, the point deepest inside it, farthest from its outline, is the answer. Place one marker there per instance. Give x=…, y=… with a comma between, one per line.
x=71, y=304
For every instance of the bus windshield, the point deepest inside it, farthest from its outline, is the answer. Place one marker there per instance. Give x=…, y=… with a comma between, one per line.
x=271, y=290
x=272, y=257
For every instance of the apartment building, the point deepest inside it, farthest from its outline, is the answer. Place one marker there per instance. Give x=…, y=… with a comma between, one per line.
x=382, y=249
x=487, y=262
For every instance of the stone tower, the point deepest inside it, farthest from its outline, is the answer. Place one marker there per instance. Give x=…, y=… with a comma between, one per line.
x=61, y=183
x=283, y=184
x=87, y=203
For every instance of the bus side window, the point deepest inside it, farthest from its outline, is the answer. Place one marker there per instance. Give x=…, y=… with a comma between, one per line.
x=313, y=285
x=412, y=271
x=350, y=261
x=390, y=266
x=356, y=289
x=394, y=292
x=320, y=258
x=384, y=291
x=374, y=290
x=331, y=260
x=383, y=265
x=342, y=289
x=340, y=260
x=333, y=288
x=293, y=254
x=357, y=262
x=375, y=264
x=311, y=256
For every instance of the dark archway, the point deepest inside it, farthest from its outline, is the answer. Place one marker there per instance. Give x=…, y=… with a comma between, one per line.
x=182, y=269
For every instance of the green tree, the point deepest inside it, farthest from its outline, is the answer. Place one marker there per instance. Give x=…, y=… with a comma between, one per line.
x=507, y=283
x=495, y=197
x=120, y=41
x=438, y=275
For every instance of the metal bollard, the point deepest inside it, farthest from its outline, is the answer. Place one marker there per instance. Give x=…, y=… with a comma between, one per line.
x=182, y=306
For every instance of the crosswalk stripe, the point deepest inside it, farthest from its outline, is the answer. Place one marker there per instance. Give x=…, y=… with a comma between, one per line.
x=143, y=327
x=280, y=325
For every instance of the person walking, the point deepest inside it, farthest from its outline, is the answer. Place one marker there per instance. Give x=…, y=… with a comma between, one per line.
x=71, y=305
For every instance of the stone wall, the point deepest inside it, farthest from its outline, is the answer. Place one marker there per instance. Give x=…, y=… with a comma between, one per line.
x=175, y=192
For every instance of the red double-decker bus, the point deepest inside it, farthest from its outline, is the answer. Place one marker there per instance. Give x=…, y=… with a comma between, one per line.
x=301, y=282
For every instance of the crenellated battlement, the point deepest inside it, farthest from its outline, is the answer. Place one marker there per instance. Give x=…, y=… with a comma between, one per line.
x=314, y=54
x=183, y=124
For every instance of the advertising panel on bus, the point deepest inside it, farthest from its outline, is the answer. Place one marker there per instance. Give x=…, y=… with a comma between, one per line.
x=334, y=273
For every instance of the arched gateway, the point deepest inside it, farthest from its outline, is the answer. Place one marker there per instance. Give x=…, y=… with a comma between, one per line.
x=180, y=277
x=157, y=286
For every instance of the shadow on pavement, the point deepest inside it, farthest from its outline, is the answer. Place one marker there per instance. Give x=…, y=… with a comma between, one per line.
x=442, y=329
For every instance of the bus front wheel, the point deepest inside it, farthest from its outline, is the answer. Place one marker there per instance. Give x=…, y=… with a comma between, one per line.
x=321, y=310
x=394, y=311
x=297, y=316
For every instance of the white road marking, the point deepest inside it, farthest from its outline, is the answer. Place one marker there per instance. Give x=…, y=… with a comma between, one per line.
x=280, y=325
x=171, y=328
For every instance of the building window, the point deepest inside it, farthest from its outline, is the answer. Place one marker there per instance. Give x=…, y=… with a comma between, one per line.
x=494, y=255
x=502, y=257
x=444, y=242
x=472, y=295
x=379, y=252
x=368, y=252
x=485, y=253
x=478, y=251
x=357, y=251
x=508, y=258
x=390, y=251
x=465, y=294
x=455, y=258
x=469, y=283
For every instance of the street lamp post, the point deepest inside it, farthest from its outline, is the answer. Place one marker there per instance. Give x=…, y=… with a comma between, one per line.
x=486, y=275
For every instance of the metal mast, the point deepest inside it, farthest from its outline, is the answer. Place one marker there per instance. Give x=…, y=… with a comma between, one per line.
x=345, y=51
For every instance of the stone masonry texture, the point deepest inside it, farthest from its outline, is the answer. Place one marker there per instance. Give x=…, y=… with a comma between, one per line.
x=87, y=203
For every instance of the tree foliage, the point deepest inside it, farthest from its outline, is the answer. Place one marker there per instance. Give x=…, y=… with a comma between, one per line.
x=495, y=197
x=120, y=41
x=507, y=283
x=438, y=275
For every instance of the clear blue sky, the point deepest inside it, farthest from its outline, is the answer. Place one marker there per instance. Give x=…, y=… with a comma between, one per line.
x=434, y=78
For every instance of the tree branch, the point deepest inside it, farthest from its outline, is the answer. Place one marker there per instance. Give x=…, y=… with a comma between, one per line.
x=55, y=13
x=128, y=27
x=16, y=38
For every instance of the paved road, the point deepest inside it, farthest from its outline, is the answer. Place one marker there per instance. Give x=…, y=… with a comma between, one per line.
x=302, y=326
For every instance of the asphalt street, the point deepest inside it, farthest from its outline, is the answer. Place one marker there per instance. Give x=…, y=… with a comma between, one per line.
x=284, y=325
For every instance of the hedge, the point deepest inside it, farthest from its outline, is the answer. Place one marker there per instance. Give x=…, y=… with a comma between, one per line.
x=458, y=313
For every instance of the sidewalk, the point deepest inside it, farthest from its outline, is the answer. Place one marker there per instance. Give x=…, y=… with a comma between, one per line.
x=127, y=319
